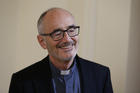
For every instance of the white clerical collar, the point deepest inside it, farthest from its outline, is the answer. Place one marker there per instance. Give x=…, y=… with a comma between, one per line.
x=64, y=72
x=56, y=71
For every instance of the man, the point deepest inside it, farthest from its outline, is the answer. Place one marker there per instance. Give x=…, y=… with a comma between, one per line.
x=62, y=71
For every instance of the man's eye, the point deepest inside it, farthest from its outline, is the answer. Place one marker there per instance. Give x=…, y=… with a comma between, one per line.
x=57, y=33
x=71, y=30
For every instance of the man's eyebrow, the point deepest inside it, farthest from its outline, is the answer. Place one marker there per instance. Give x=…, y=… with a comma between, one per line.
x=71, y=26
x=56, y=30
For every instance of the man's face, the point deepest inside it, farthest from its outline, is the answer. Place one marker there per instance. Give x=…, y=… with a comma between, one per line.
x=66, y=48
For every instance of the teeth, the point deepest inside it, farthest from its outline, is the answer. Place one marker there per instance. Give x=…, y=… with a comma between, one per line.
x=66, y=46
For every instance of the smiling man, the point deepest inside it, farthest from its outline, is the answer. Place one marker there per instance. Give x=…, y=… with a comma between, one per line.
x=62, y=71
x=59, y=35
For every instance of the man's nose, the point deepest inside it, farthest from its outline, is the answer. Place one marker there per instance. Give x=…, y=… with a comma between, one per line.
x=66, y=37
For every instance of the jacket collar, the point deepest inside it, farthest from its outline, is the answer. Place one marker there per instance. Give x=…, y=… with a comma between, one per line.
x=46, y=67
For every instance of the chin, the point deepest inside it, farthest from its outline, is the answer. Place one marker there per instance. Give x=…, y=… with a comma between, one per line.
x=68, y=57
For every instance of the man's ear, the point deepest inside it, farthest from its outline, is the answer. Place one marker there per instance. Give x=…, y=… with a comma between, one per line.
x=41, y=42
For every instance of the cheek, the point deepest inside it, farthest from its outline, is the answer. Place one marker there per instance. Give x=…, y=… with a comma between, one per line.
x=76, y=40
x=51, y=45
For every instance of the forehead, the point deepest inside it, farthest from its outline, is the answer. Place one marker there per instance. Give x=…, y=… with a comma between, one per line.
x=57, y=19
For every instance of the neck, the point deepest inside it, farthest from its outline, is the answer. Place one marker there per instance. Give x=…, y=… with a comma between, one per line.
x=61, y=65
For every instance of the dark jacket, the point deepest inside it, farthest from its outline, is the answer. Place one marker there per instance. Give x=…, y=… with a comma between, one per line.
x=94, y=78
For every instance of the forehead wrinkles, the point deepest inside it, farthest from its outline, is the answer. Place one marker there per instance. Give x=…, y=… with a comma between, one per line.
x=57, y=19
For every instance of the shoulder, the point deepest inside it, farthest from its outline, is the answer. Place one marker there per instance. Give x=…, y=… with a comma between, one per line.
x=91, y=65
x=93, y=69
x=33, y=70
x=95, y=75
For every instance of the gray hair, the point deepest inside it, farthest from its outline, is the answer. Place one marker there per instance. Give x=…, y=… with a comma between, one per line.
x=39, y=22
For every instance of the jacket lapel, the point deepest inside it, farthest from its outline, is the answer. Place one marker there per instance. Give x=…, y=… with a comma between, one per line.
x=87, y=80
x=43, y=82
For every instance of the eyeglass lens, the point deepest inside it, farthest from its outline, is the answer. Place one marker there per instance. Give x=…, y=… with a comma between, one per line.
x=60, y=34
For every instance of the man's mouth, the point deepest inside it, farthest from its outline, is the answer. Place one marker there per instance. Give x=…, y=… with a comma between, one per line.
x=68, y=46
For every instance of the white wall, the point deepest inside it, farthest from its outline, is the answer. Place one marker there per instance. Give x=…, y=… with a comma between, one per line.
x=112, y=35
x=109, y=35
x=8, y=28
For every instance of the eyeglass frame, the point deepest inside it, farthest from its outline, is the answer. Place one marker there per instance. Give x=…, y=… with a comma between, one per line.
x=73, y=26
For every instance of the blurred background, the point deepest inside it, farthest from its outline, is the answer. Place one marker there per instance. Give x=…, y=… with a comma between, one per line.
x=109, y=35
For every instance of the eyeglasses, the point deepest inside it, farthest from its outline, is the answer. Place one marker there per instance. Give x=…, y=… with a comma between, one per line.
x=58, y=34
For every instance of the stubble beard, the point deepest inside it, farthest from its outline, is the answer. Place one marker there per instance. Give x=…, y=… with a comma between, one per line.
x=64, y=58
